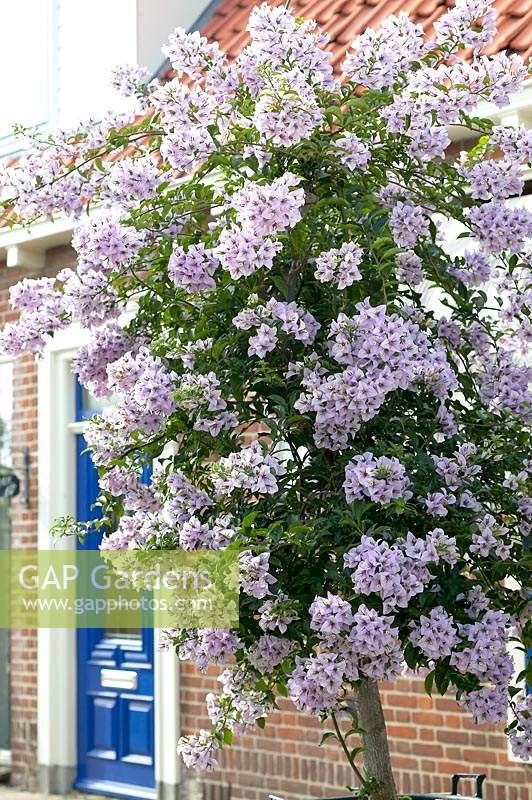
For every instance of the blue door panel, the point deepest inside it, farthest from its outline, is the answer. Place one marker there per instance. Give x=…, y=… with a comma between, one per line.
x=115, y=725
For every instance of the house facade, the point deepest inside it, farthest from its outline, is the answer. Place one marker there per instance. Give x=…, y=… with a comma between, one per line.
x=61, y=725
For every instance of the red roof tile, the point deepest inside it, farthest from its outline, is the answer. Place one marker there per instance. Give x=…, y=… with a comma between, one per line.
x=344, y=20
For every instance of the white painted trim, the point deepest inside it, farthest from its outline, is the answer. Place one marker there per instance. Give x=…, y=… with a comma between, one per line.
x=167, y=716
x=34, y=240
x=57, y=666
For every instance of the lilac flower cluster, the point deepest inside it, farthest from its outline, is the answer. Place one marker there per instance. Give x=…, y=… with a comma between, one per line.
x=476, y=270
x=383, y=353
x=198, y=751
x=293, y=319
x=435, y=634
x=330, y=615
x=269, y=209
x=494, y=179
x=277, y=613
x=408, y=268
x=381, y=479
x=500, y=228
x=491, y=539
x=251, y=469
x=339, y=265
x=521, y=736
x=505, y=385
x=108, y=343
x=408, y=223
x=105, y=243
x=470, y=22
x=132, y=180
x=279, y=41
x=287, y=109
x=44, y=311
x=315, y=684
x=386, y=570
x=351, y=152
x=381, y=56
x=255, y=578
x=268, y=652
x=193, y=269
x=206, y=646
x=457, y=469
x=195, y=534
x=485, y=654
x=183, y=499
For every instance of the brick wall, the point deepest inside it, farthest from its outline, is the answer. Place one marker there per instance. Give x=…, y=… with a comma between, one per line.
x=24, y=434
x=429, y=738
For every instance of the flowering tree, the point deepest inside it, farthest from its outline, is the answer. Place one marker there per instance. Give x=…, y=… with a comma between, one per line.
x=346, y=399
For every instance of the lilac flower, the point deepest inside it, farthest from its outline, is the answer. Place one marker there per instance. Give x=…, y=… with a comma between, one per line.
x=494, y=179
x=486, y=704
x=199, y=751
x=263, y=342
x=271, y=208
x=129, y=79
x=194, y=534
x=434, y=634
x=277, y=613
x=287, y=110
x=351, y=151
x=242, y=252
x=381, y=479
x=330, y=615
x=249, y=469
x=207, y=646
x=340, y=265
x=445, y=546
x=382, y=55
x=106, y=243
x=133, y=531
x=485, y=655
x=408, y=268
x=521, y=736
x=183, y=498
x=457, y=469
x=500, y=228
x=224, y=421
x=197, y=391
x=515, y=142
x=191, y=53
x=131, y=180
x=378, y=568
x=377, y=644
x=437, y=503
x=268, y=652
x=491, y=538
x=408, y=223
x=383, y=353
x=193, y=269
x=315, y=684
x=470, y=22
x=255, y=578
x=108, y=344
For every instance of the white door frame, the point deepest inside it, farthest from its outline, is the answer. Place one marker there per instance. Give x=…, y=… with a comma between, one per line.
x=57, y=666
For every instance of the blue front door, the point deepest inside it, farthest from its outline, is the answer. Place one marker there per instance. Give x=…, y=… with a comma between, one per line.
x=115, y=682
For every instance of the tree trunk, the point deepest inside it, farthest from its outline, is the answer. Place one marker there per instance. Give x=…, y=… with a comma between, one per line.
x=375, y=739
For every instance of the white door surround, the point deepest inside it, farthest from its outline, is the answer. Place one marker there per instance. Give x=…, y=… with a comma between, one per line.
x=56, y=674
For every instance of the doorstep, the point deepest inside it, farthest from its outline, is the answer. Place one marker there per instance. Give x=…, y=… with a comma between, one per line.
x=11, y=793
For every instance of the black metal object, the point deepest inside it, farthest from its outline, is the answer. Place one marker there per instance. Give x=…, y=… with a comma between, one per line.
x=452, y=795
